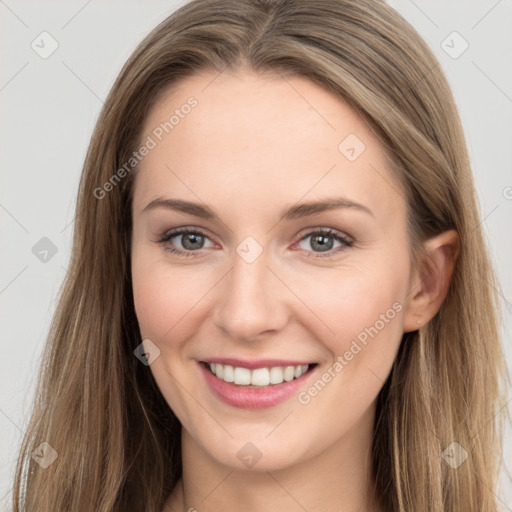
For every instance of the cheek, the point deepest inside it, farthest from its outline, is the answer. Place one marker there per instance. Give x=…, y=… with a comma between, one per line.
x=362, y=305
x=166, y=298
x=349, y=300
x=150, y=294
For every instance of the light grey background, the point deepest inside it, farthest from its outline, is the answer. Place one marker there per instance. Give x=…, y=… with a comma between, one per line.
x=48, y=110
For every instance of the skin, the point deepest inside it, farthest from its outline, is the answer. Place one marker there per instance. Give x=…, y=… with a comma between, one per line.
x=254, y=145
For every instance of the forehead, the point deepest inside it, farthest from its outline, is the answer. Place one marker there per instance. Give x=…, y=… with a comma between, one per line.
x=253, y=140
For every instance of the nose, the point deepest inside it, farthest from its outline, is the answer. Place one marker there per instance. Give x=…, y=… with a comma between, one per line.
x=252, y=301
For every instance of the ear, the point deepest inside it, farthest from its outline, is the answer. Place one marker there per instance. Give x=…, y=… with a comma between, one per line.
x=430, y=282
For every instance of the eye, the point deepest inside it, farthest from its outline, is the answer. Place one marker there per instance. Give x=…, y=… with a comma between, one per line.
x=191, y=240
x=322, y=239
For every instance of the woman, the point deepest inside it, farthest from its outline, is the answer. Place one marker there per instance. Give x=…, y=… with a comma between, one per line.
x=251, y=370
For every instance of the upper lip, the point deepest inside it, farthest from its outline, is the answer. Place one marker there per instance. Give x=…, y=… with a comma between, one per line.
x=255, y=363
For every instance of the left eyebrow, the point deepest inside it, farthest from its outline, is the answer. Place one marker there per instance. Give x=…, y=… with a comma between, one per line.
x=311, y=208
x=296, y=211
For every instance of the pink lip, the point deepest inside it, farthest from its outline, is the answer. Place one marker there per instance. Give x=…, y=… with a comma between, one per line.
x=252, y=365
x=253, y=397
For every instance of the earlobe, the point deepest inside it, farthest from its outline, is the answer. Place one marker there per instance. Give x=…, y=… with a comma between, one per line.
x=430, y=283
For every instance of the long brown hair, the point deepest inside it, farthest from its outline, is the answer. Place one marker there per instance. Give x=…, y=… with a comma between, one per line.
x=98, y=407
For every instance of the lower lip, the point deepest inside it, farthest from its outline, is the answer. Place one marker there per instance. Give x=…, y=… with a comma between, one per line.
x=254, y=397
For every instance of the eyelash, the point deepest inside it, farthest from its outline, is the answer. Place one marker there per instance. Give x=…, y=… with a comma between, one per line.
x=163, y=239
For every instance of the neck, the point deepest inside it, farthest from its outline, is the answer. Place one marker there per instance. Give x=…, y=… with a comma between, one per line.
x=338, y=479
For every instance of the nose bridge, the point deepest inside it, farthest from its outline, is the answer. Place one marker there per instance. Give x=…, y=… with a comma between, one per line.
x=251, y=301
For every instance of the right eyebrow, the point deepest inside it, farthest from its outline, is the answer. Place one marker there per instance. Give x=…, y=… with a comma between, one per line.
x=182, y=206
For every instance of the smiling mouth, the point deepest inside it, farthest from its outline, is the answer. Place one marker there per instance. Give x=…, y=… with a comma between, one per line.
x=259, y=377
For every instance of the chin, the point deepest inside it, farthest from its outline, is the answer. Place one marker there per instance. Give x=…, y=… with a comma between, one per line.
x=256, y=453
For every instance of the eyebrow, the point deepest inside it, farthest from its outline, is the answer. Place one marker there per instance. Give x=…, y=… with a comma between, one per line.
x=295, y=211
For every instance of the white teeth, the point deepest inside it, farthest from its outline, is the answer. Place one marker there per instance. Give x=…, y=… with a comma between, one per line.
x=258, y=377
x=242, y=376
x=300, y=370
x=289, y=373
x=276, y=375
x=229, y=373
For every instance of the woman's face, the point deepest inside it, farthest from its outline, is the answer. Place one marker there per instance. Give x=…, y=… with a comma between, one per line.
x=250, y=287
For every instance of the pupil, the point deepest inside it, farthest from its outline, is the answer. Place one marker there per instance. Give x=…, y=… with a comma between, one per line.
x=321, y=240
x=193, y=239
